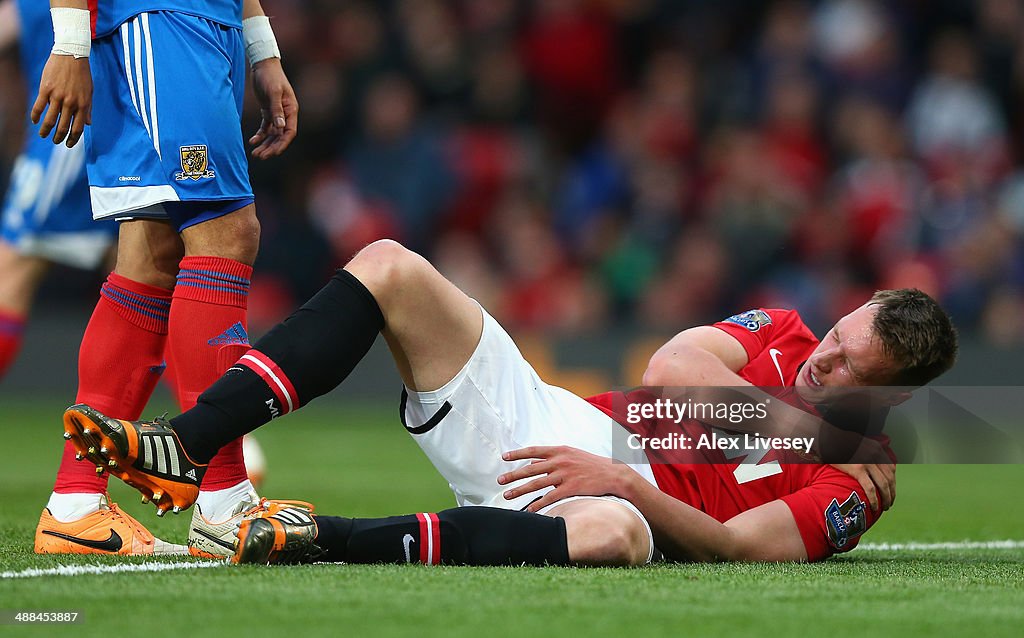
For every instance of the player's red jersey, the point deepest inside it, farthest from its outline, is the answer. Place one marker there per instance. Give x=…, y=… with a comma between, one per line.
x=829, y=506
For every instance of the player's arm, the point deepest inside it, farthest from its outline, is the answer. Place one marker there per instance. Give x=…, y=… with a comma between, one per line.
x=765, y=533
x=700, y=356
x=278, y=105
x=682, y=532
x=65, y=88
x=697, y=363
x=10, y=24
x=706, y=357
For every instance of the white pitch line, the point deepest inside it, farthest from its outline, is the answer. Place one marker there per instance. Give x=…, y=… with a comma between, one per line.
x=78, y=570
x=924, y=547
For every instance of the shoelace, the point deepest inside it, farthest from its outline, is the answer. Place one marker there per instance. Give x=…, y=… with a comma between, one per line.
x=136, y=526
x=265, y=504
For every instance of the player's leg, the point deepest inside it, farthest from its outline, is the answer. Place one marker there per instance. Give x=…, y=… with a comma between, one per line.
x=580, y=532
x=178, y=155
x=47, y=214
x=148, y=252
x=19, y=278
x=208, y=333
x=121, y=356
x=313, y=350
x=459, y=536
x=431, y=327
x=191, y=120
x=120, y=361
x=604, y=531
x=593, y=531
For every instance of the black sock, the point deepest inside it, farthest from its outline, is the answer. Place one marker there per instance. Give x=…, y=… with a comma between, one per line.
x=459, y=536
x=305, y=356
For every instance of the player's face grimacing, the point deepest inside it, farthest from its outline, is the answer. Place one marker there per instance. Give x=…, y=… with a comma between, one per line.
x=848, y=356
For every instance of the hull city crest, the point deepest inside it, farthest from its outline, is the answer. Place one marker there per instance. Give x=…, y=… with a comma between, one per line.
x=194, y=163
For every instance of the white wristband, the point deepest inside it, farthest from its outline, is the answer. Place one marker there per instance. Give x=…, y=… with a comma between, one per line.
x=260, y=42
x=72, y=33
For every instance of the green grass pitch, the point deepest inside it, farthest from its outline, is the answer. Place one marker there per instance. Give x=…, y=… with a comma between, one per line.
x=359, y=462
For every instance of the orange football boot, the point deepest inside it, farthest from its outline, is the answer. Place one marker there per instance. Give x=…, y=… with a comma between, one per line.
x=106, y=531
x=144, y=454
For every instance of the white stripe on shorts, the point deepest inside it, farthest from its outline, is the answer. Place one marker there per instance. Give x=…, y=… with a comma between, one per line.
x=138, y=75
x=127, y=65
x=114, y=200
x=155, y=133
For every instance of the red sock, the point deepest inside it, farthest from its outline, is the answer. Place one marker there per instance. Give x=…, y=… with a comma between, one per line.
x=207, y=335
x=12, y=326
x=119, y=363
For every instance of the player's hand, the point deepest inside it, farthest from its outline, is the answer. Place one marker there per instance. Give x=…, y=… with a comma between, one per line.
x=571, y=471
x=279, y=107
x=65, y=93
x=878, y=480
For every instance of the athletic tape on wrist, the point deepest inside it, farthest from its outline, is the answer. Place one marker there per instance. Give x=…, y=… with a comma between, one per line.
x=72, y=33
x=260, y=42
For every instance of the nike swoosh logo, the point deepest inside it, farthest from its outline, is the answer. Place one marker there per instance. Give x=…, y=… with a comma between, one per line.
x=111, y=544
x=774, y=354
x=407, y=541
x=214, y=539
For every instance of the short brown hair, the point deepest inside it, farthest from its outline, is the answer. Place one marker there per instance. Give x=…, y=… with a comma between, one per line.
x=916, y=332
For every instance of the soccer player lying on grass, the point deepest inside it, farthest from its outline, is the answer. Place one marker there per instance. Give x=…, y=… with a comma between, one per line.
x=507, y=441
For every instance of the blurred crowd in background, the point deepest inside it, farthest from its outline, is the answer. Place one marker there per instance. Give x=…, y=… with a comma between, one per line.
x=583, y=164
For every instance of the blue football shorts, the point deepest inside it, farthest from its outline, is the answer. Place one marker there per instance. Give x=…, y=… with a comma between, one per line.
x=166, y=139
x=46, y=208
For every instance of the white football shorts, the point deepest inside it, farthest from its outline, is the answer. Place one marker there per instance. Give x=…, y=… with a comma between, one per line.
x=498, y=403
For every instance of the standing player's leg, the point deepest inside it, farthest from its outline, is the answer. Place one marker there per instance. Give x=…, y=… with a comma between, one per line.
x=195, y=73
x=166, y=145
x=19, y=277
x=208, y=332
x=120, y=361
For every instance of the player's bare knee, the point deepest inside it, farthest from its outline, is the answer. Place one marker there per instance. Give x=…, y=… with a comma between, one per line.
x=148, y=252
x=244, y=239
x=606, y=534
x=164, y=260
x=234, y=236
x=386, y=267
